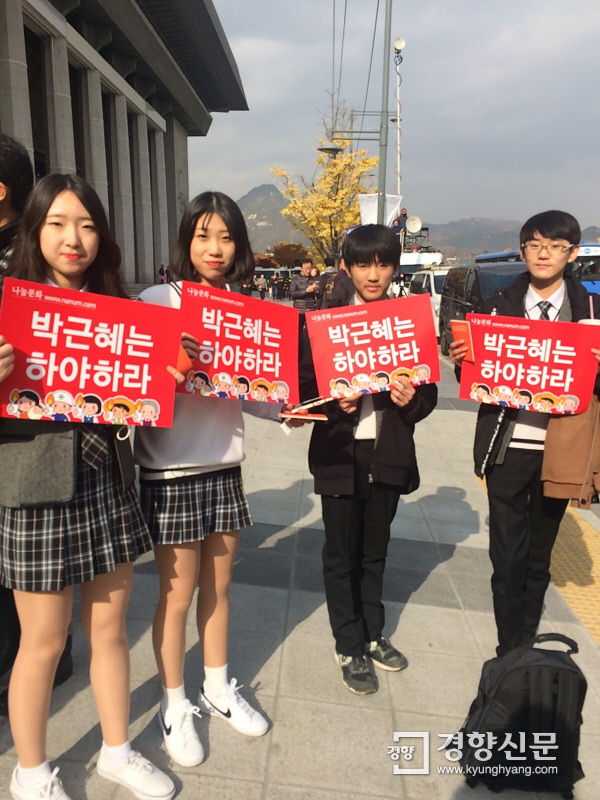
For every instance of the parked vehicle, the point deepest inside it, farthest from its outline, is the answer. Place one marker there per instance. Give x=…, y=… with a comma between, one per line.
x=466, y=287
x=430, y=281
x=586, y=266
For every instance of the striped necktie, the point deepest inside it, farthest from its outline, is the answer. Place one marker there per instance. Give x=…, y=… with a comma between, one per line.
x=545, y=307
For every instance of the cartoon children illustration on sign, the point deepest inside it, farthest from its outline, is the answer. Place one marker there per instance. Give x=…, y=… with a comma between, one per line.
x=340, y=388
x=481, y=392
x=569, y=404
x=362, y=383
x=25, y=404
x=261, y=390
x=422, y=374
x=87, y=408
x=281, y=392
x=545, y=402
x=198, y=383
x=147, y=412
x=503, y=396
x=380, y=381
x=241, y=387
x=402, y=375
x=523, y=399
x=223, y=385
x=59, y=406
x=118, y=410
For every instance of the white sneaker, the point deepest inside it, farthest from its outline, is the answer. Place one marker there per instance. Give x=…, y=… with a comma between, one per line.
x=139, y=776
x=232, y=707
x=49, y=788
x=181, y=739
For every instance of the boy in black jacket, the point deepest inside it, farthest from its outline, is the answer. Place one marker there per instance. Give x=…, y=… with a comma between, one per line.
x=509, y=443
x=362, y=460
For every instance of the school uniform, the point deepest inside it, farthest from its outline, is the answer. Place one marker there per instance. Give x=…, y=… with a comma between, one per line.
x=68, y=506
x=362, y=463
x=190, y=474
x=509, y=451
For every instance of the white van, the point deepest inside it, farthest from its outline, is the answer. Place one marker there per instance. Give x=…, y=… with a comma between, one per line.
x=430, y=281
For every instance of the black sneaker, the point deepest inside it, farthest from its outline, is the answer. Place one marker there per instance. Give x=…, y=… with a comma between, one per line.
x=385, y=656
x=357, y=674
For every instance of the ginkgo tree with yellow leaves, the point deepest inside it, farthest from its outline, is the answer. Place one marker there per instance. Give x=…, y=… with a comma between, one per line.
x=323, y=209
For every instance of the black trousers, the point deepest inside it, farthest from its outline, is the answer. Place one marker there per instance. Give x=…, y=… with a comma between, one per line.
x=523, y=529
x=357, y=532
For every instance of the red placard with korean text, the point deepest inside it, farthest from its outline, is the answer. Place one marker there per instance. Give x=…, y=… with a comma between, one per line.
x=83, y=357
x=248, y=347
x=533, y=365
x=362, y=348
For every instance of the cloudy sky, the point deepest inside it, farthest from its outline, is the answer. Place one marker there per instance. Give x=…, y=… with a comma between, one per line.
x=500, y=100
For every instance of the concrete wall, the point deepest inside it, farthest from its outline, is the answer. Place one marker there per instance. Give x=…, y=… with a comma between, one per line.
x=150, y=186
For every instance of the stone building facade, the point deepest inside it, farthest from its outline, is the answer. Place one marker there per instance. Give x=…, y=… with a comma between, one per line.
x=110, y=90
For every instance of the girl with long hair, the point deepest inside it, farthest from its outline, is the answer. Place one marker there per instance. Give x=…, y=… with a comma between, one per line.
x=193, y=498
x=69, y=515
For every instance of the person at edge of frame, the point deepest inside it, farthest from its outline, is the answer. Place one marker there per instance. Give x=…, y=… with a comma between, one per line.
x=510, y=443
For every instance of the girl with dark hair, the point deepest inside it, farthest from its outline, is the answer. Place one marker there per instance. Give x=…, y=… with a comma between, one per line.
x=193, y=498
x=69, y=515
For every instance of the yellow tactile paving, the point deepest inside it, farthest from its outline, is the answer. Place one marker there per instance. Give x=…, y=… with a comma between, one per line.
x=576, y=568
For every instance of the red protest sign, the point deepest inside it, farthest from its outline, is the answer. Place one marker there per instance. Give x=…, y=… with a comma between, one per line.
x=532, y=365
x=77, y=361
x=248, y=347
x=361, y=348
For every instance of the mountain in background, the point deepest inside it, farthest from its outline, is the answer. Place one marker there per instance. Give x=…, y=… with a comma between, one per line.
x=462, y=239
x=262, y=209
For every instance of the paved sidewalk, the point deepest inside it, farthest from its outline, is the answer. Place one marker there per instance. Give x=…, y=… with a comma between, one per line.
x=325, y=743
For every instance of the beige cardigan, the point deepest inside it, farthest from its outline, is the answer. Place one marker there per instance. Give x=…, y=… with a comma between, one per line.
x=571, y=465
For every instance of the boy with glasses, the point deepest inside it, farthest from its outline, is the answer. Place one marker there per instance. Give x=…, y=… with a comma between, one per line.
x=509, y=442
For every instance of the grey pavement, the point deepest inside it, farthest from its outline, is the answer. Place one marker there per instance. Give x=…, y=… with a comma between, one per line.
x=326, y=743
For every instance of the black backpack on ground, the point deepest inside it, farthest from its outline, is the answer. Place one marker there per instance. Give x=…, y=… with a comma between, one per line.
x=527, y=692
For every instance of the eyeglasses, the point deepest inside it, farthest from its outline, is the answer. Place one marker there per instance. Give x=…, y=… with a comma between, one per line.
x=553, y=249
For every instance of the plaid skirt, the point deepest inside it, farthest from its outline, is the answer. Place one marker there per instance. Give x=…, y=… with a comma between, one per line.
x=187, y=510
x=45, y=548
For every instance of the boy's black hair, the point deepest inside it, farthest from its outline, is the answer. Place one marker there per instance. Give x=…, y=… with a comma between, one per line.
x=204, y=377
x=551, y=225
x=206, y=204
x=527, y=392
x=29, y=394
x=92, y=398
x=16, y=172
x=382, y=375
x=369, y=242
x=244, y=380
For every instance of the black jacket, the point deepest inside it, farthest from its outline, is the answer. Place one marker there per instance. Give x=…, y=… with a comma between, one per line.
x=331, y=452
x=7, y=238
x=495, y=423
x=303, y=300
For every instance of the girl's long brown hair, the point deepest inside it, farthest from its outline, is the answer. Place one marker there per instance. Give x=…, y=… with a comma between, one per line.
x=27, y=263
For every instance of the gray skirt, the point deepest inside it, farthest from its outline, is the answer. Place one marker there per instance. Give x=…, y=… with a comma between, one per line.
x=188, y=510
x=45, y=548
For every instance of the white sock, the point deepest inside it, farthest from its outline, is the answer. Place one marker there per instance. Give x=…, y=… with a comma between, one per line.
x=116, y=756
x=29, y=777
x=215, y=681
x=172, y=696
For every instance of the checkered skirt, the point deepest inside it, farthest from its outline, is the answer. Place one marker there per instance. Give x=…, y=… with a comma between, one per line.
x=45, y=548
x=189, y=510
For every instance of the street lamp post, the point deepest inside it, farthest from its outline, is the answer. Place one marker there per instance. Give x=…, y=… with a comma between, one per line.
x=383, y=128
x=399, y=45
